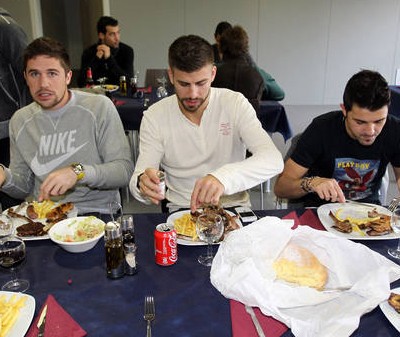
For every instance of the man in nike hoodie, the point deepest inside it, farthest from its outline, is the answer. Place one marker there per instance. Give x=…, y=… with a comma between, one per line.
x=67, y=145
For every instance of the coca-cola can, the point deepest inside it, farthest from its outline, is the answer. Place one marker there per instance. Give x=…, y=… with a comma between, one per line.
x=165, y=246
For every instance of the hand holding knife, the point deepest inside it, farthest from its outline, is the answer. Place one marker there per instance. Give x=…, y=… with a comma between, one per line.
x=42, y=322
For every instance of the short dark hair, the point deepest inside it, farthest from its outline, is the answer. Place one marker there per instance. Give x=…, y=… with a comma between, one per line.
x=234, y=43
x=190, y=53
x=368, y=89
x=221, y=27
x=49, y=47
x=105, y=21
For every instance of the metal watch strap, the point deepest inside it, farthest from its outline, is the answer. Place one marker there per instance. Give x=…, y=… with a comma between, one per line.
x=79, y=170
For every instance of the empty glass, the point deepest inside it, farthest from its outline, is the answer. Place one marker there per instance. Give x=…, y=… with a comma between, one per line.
x=395, y=223
x=6, y=225
x=209, y=228
x=162, y=90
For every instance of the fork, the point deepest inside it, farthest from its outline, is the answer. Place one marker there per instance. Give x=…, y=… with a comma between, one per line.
x=394, y=203
x=149, y=312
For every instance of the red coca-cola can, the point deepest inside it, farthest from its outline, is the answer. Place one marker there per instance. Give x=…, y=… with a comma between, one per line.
x=165, y=246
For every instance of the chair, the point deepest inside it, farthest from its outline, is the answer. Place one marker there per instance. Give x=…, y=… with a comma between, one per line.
x=281, y=203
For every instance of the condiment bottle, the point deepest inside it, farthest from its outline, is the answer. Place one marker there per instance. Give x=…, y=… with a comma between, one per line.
x=89, y=78
x=133, y=85
x=128, y=228
x=123, y=90
x=114, y=250
x=130, y=258
x=161, y=185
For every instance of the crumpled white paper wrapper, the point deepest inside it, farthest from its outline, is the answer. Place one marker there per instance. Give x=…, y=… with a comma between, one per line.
x=242, y=270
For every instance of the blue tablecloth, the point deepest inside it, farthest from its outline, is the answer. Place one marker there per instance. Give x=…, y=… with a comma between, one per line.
x=186, y=302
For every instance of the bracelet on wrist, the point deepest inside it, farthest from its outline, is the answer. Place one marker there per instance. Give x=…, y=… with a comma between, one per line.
x=306, y=184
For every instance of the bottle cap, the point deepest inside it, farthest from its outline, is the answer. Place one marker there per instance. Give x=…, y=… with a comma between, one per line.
x=126, y=222
x=112, y=230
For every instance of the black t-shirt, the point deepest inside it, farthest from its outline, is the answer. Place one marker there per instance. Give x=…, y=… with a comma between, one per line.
x=328, y=151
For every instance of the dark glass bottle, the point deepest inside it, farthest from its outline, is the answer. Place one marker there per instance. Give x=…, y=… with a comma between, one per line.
x=133, y=85
x=123, y=89
x=114, y=250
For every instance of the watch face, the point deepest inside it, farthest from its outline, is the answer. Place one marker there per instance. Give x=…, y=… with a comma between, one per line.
x=78, y=169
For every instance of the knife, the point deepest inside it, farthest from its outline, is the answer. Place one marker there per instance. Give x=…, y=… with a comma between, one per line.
x=42, y=322
x=352, y=202
x=256, y=323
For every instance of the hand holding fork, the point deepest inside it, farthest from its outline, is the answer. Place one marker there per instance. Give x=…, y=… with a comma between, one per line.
x=149, y=312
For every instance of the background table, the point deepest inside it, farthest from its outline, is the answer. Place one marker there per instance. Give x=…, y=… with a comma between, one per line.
x=186, y=302
x=272, y=114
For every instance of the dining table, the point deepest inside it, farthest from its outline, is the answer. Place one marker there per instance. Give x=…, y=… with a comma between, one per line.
x=186, y=303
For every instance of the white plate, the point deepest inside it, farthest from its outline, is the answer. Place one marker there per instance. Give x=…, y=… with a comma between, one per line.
x=25, y=317
x=392, y=315
x=107, y=87
x=19, y=222
x=189, y=242
x=355, y=211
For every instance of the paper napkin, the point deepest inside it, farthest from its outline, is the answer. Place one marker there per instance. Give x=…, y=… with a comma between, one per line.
x=242, y=270
x=58, y=322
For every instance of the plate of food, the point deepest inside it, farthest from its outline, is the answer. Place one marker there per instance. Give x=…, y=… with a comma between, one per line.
x=391, y=308
x=357, y=221
x=19, y=305
x=185, y=224
x=107, y=87
x=32, y=220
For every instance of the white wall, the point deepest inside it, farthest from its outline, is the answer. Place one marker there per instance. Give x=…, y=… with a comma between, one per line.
x=311, y=47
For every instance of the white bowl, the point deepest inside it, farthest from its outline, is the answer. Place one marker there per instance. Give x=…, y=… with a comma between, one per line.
x=68, y=227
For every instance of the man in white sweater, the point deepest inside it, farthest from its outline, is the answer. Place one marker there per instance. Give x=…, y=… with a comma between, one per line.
x=199, y=137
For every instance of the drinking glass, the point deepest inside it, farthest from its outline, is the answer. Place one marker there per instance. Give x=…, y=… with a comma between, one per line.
x=209, y=228
x=395, y=223
x=6, y=225
x=162, y=89
x=12, y=255
x=115, y=210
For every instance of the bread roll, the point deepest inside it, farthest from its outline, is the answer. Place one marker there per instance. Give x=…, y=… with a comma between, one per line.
x=298, y=265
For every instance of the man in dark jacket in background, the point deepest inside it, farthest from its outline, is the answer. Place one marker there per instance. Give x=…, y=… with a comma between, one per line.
x=14, y=93
x=109, y=57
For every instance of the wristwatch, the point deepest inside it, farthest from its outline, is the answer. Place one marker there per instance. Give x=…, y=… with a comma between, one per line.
x=79, y=170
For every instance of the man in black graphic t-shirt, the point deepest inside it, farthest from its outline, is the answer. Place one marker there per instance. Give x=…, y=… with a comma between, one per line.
x=344, y=154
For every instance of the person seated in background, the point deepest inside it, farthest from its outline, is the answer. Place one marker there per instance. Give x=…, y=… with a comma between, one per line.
x=272, y=91
x=344, y=154
x=235, y=72
x=108, y=58
x=14, y=93
x=221, y=27
x=67, y=145
x=199, y=137
x=237, y=38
